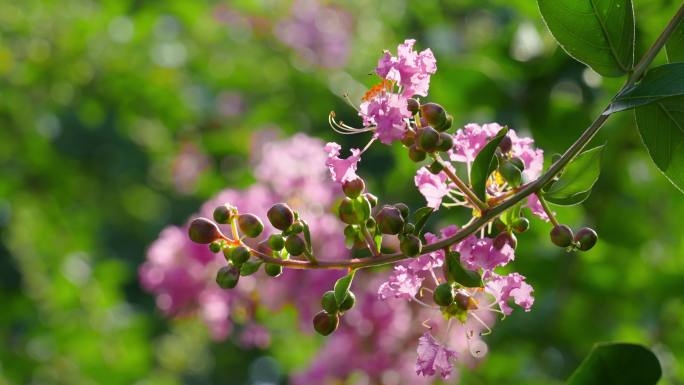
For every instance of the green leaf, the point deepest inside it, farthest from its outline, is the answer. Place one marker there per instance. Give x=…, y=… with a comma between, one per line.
x=456, y=272
x=307, y=235
x=484, y=164
x=661, y=127
x=658, y=83
x=578, y=177
x=571, y=200
x=377, y=238
x=675, y=45
x=421, y=217
x=342, y=286
x=598, y=33
x=510, y=215
x=617, y=364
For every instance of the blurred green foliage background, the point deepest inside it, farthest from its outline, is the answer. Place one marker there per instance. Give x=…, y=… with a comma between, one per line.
x=101, y=101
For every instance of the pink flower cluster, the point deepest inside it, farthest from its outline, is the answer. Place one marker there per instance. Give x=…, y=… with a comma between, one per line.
x=181, y=273
x=410, y=73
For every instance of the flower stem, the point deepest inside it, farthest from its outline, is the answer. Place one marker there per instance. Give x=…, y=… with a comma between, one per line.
x=490, y=213
x=547, y=210
x=469, y=194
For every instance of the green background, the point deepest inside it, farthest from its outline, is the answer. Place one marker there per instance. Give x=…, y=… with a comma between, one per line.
x=97, y=99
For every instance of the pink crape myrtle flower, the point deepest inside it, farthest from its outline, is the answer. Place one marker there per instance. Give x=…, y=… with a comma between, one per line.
x=342, y=170
x=433, y=357
x=480, y=253
x=433, y=187
x=409, y=69
x=387, y=112
x=511, y=286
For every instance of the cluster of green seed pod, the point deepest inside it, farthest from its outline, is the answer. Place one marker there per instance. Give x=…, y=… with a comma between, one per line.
x=430, y=133
x=327, y=320
x=355, y=211
x=583, y=240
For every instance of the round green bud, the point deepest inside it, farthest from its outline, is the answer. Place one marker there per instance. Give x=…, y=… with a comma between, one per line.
x=227, y=251
x=520, y=225
x=362, y=209
x=250, y=225
x=346, y=211
x=435, y=167
x=446, y=125
x=203, y=231
x=281, y=216
x=353, y=188
x=372, y=199
x=409, y=228
x=511, y=173
x=329, y=303
x=561, y=235
x=227, y=277
x=434, y=114
x=216, y=246
x=506, y=144
x=239, y=255
x=296, y=228
x=446, y=142
x=325, y=323
x=428, y=139
x=222, y=214
x=348, y=302
x=411, y=245
x=504, y=239
x=416, y=154
x=273, y=270
x=403, y=209
x=443, y=295
x=413, y=106
x=250, y=267
x=294, y=245
x=389, y=220
x=585, y=238
x=276, y=242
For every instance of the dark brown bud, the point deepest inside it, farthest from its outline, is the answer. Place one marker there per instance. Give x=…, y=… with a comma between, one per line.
x=250, y=225
x=389, y=220
x=585, y=238
x=353, y=188
x=281, y=216
x=203, y=231
x=561, y=235
x=325, y=323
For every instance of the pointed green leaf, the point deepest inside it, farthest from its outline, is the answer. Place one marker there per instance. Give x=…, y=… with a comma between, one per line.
x=307, y=235
x=675, y=45
x=342, y=286
x=658, y=83
x=456, y=272
x=420, y=217
x=578, y=177
x=661, y=127
x=484, y=164
x=598, y=33
x=571, y=200
x=617, y=364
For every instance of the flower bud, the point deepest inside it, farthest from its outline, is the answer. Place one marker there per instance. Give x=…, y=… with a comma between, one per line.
x=403, y=209
x=222, y=214
x=428, y=139
x=416, y=154
x=250, y=225
x=446, y=125
x=411, y=245
x=348, y=302
x=409, y=228
x=346, y=211
x=281, y=216
x=353, y=188
x=294, y=245
x=362, y=209
x=561, y=235
x=506, y=144
x=276, y=242
x=239, y=255
x=443, y=295
x=520, y=225
x=446, y=142
x=370, y=223
x=217, y=245
x=372, y=199
x=434, y=114
x=389, y=220
x=511, y=173
x=203, y=231
x=273, y=270
x=250, y=267
x=296, y=228
x=585, y=238
x=329, y=303
x=465, y=302
x=435, y=167
x=504, y=239
x=227, y=277
x=325, y=323
x=408, y=139
x=413, y=106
